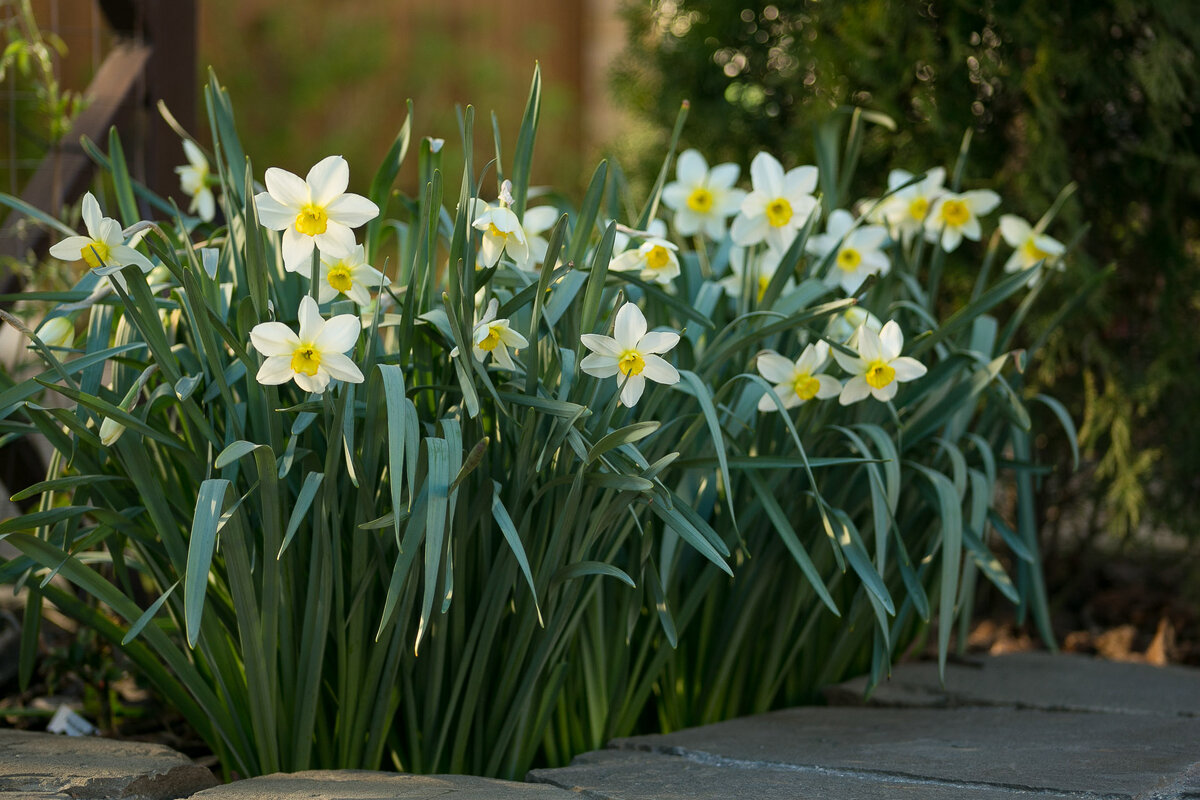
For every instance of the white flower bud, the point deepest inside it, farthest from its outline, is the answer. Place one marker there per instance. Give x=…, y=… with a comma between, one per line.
x=58, y=332
x=110, y=431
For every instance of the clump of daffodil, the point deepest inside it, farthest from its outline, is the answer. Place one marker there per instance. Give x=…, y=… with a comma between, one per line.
x=654, y=260
x=859, y=251
x=314, y=356
x=1029, y=246
x=762, y=268
x=906, y=209
x=631, y=353
x=955, y=217
x=502, y=231
x=779, y=205
x=702, y=199
x=348, y=274
x=797, y=382
x=193, y=180
x=104, y=246
x=879, y=368
x=314, y=212
x=495, y=336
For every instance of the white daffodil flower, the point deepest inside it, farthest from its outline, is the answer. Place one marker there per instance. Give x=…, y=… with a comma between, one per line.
x=534, y=223
x=859, y=251
x=314, y=212
x=57, y=332
x=110, y=431
x=702, y=199
x=763, y=267
x=104, y=246
x=798, y=382
x=1029, y=246
x=494, y=336
x=632, y=354
x=779, y=205
x=906, y=210
x=193, y=180
x=879, y=368
x=844, y=326
x=654, y=260
x=502, y=233
x=350, y=275
x=955, y=217
x=312, y=358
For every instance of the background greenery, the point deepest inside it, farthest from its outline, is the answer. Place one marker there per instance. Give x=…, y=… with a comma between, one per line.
x=1101, y=93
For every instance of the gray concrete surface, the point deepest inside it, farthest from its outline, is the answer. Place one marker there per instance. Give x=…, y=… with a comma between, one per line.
x=362, y=785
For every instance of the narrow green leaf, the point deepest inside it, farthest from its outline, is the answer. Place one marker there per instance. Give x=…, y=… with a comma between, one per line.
x=201, y=544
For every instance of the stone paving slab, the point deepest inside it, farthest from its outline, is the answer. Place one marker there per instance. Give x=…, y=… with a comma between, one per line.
x=45, y=766
x=366, y=785
x=626, y=775
x=1093, y=755
x=1034, y=680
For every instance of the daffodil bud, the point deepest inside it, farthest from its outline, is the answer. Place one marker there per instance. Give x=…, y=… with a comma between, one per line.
x=58, y=332
x=110, y=431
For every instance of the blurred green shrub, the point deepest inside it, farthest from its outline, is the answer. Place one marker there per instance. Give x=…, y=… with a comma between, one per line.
x=1101, y=93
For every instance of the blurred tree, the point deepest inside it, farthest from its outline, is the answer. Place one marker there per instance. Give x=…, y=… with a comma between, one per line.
x=1100, y=92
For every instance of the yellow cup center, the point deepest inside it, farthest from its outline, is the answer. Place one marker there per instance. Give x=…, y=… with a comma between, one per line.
x=631, y=363
x=879, y=374
x=306, y=359
x=1033, y=252
x=312, y=220
x=97, y=254
x=658, y=257
x=763, y=282
x=779, y=212
x=492, y=339
x=494, y=231
x=955, y=213
x=700, y=200
x=848, y=259
x=805, y=386
x=340, y=277
x=918, y=208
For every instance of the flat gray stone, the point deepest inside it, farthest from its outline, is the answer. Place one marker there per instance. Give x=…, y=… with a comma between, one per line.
x=1106, y=755
x=626, y=775
x=90, y=768
x=1034, y=680
x=365, y=785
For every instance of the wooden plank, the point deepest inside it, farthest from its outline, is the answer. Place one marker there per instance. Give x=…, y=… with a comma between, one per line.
x=171, y=76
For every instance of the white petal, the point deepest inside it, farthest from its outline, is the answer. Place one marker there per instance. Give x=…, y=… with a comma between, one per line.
x=311, y=322
x=1014, y=230
x=775, y=368
x=297, y=252
x=313, y=383
x=275, y=370
x=540, y=218
x=891, y=341
x=747, y=231
x=951, y=239
x=599, y=366
x=603, y=345
x=206, y=204
x=194, y=155
x=502, y=357
x=675, y=195
x=886, y=393
x=328, y=178
x=827, y=387
x=907, y=369
x=490, y=250
x=70, y=248
x=981, y=201
x=91, y=215
x=274, y=339
x=336, y=241
x=513, y=339
x=813, y=357
x=723, y=176
x=854, y=390
x=125, y=255
x=352, y=210
x=691, y=168
x=1049, y=245
x=854, y=366
x=767, y=175
x=839, y=223
x=272, y=214
x=493, y=308
x=341, y=368
x=286, y=188
x=870, y=345
x=971, y=229
x=630, y=326
x=660, y=370
x=339, y=334
x=632, y=392
x=658, y=341
x=688, y=222
x=800, y=181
